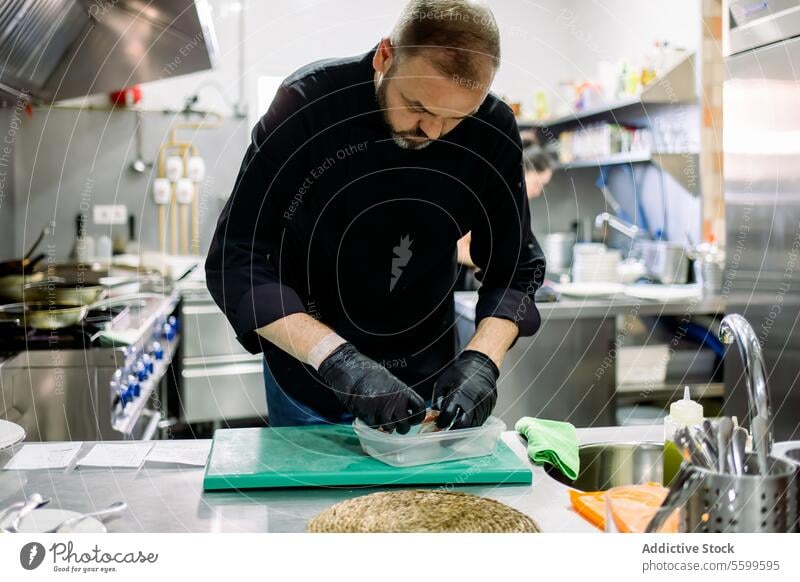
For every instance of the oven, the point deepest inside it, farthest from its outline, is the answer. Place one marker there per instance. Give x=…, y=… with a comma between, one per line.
x=102, y=382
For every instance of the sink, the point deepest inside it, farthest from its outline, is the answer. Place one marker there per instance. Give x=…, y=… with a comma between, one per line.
x=606, y=465
x=787, y=450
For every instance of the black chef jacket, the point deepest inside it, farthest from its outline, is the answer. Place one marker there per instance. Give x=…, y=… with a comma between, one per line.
x=328, y=216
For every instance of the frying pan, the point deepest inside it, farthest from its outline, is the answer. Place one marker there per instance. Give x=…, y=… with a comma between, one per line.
x=86, y=280
x=43, y=314
x=63, y=292
x=16, y=273
x=26, y=265
x=51, y=315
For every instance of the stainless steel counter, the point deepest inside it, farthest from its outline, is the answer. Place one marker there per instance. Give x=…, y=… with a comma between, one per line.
x=567, y=371
x=572, y=308
x=172, y=499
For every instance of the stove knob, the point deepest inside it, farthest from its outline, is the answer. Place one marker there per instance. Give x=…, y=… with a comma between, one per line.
x=158, y=351
x=148, y=364
x=116, y=389
x=141, y=371
x=168, y=332
x=133, y=385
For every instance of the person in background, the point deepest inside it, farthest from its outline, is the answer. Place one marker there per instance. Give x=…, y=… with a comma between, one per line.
x=539, y=166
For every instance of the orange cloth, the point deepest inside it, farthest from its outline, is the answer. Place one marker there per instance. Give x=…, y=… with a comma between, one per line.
x=633, y=507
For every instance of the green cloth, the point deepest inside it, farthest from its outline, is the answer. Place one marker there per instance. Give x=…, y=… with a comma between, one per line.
x=552, y=442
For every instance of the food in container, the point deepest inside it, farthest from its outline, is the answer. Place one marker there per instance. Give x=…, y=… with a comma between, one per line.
x=424, y=444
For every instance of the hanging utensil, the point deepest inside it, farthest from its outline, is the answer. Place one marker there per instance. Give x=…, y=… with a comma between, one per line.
x=139, y=165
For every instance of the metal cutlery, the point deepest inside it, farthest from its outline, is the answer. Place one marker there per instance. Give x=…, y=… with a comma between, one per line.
x=738, y=443
x=692, y=451
x=724, y=432
x=710, y=437
x=8, y=510
x=759, y=427
x=707, y=443
x=682, y=488
x=66, y=525
x=35, y=501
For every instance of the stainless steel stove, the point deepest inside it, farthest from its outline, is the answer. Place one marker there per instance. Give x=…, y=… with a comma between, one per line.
x=102, y=380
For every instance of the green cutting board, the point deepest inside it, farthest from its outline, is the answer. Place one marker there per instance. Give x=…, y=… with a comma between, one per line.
x=331, y=455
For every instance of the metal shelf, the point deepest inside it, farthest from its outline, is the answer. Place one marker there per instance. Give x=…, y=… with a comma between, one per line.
x=677, y=86
x=626, y=158
x=648, y=392
x=682, y=166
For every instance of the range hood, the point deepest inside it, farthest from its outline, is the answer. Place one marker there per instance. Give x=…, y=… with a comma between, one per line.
x=60, y=49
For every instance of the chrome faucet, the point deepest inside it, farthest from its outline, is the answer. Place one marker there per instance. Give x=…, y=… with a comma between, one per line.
x=629, y=230
x=735, y=329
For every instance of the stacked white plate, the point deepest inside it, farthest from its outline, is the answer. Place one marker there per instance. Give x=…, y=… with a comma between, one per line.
x=589, y=290
x=557, y=249
x=10, y=434
x=594, y=263
x=664, y=292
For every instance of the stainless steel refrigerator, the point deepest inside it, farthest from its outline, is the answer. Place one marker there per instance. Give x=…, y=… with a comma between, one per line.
x=761, y=104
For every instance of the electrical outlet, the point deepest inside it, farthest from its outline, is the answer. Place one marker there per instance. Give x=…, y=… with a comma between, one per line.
x=110, y=214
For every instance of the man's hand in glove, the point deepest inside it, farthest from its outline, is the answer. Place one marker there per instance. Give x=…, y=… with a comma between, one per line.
x=466, y=392
x=370, y=392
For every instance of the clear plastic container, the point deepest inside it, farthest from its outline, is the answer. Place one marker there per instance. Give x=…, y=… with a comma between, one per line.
x=410, y=449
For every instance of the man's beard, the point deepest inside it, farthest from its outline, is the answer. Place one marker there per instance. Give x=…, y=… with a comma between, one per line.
x=400, y=137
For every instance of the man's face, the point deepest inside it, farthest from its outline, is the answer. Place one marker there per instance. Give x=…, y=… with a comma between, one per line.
x=419, y=103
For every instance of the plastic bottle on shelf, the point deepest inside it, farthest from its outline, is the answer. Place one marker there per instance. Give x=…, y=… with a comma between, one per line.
x=648, y=70
x=633, y=80
x=682, y=413
x=85, y=249
x=542, y=107
x=103, y=249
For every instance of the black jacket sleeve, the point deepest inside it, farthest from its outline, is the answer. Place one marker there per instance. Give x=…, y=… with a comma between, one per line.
x=243, y=270
x=503, y=247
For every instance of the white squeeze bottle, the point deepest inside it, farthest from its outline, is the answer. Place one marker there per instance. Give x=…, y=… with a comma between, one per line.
x=682, y=413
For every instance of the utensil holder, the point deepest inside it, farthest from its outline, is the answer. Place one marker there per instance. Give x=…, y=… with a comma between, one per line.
x=749, y=503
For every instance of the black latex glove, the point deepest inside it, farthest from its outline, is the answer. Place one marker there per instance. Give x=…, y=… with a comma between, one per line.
x=370, y=392
x=466, y=392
